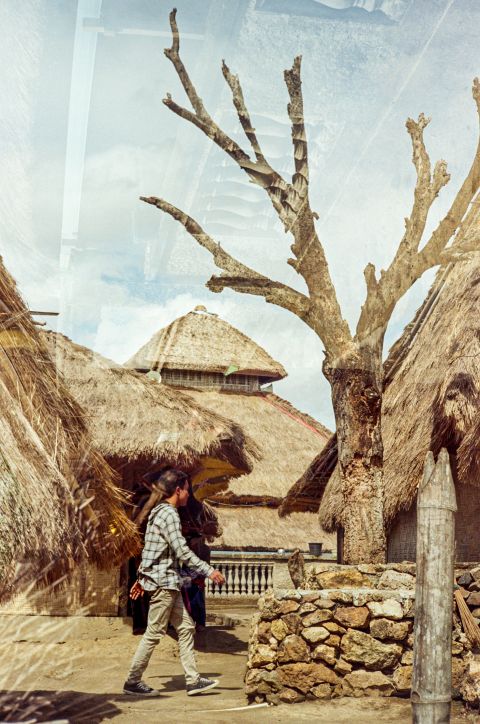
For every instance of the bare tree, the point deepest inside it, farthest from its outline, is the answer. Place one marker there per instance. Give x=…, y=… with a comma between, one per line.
x=353, y=362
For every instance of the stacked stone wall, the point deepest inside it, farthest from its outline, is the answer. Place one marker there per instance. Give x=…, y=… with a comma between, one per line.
x=350, y=633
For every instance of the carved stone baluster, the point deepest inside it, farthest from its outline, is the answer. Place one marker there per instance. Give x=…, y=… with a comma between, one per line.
x=226, y=585
x=247, y=578
x=215, y=588
x=233, y=589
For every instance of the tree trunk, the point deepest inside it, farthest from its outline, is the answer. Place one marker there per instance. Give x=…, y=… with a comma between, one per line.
x=357, y=398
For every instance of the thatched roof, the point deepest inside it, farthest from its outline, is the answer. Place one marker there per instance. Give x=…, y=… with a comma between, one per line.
x=132, y=417
x=255, y=527
x=287, y=439
x=306, y=493
x=204, y=342
x=431, y=401
x=59, y=500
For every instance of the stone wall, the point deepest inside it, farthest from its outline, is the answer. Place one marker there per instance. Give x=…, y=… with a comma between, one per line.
x=350, y=633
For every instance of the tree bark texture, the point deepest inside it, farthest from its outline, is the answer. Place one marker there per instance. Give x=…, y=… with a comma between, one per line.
x=432, y=650
x=357, y=398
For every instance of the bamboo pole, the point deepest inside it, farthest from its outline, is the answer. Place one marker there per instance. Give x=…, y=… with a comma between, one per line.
x=432, y=650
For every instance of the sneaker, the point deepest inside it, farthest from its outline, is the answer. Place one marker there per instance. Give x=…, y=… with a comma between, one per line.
x=201, y=685
x=139, y=689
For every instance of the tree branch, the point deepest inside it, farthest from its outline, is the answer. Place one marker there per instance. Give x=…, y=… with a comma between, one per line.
x=290, y=201
x=449, y=224
x=299, y=138
x=409, y=263
x=242, y=112
x=260, y=172
x=236, y=276
x=173, y=54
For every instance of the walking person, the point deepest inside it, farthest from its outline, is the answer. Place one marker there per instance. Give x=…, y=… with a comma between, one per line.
x=159, y=577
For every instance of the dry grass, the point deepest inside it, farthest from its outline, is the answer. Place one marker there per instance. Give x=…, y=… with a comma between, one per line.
x=204, y=342
x=262, y=528
x=60, y=501
x=131, y=417
x=286, y=438
x=469, y=624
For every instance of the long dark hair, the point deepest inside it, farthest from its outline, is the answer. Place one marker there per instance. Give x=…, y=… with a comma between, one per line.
x=168, y=481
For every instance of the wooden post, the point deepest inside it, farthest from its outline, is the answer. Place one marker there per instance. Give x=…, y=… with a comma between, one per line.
x=432, y=650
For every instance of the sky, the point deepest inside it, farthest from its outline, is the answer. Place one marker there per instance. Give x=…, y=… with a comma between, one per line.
x=85, y=133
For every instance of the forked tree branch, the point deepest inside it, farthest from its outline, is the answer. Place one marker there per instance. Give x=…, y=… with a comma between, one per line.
x=290, y=201
x=260, y=172
x=409, y=262
x=236, y=276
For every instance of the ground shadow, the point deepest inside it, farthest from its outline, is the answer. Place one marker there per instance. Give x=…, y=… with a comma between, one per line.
x=215, y=640
x=177, y=683
x=219, y=640
x=75, y=706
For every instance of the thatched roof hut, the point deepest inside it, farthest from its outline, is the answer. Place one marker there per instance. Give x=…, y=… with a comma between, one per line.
x=139, y=424
x=59, y=501
x=286, y=438
x=431, y=401
x=200, y=342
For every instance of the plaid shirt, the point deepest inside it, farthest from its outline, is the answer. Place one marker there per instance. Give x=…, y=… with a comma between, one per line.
x=165, y=550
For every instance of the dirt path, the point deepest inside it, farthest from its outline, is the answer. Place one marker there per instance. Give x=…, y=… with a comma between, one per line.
x=72, y=669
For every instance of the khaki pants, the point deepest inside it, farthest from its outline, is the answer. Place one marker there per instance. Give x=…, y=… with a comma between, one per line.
x=166, y=606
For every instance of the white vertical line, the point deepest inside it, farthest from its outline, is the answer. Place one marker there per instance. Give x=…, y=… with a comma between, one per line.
x=83, y=64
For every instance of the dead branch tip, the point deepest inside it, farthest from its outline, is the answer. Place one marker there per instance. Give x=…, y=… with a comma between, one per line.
x=370, y=276
x=175, y=34
x=225, y=70
x=416, y=127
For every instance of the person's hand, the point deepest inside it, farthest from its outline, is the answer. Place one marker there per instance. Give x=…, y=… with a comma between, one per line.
x=217, y=577
x=136, y=591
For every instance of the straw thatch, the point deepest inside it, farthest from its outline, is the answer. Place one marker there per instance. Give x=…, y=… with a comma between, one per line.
x=267, y=532
x=431, y=401
x=287, y=439
x=204, y=342
x=52, y=473
x=135, y=419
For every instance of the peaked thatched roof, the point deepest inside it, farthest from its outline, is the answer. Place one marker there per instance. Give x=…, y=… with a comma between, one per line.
x=431, y=400
x=287, y=439
x=59, y=501
x=204, y=342
x=132, y=417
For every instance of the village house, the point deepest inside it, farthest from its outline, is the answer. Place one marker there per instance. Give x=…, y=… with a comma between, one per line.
x=138, y=426
x=60, y=502
x=222, y=370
